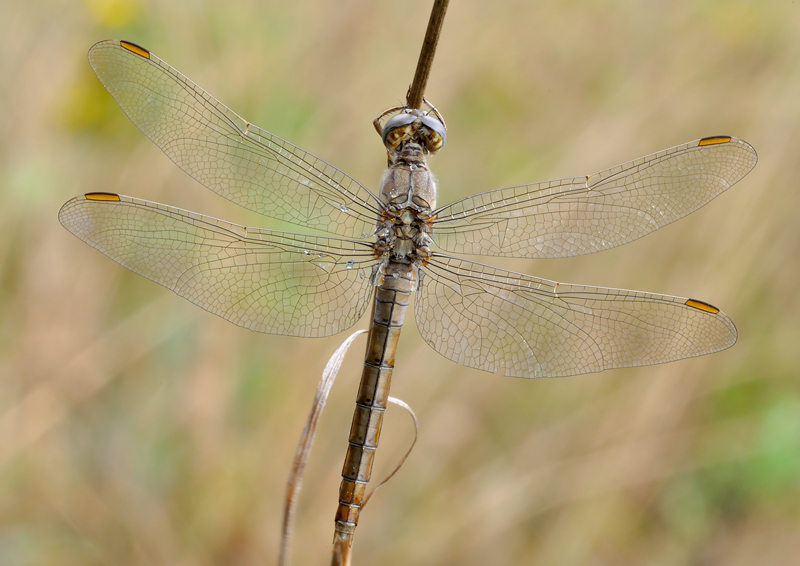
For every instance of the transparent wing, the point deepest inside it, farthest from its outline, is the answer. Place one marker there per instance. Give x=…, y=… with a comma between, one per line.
x=221, y=150
x=497, y=320
x=569, y=217
x=264, y=280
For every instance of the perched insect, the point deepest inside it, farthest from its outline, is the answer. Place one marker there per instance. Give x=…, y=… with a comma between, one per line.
x=387, y=245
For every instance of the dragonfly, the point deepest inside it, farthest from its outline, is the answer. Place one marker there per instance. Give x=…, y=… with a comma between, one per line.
x=379, y=249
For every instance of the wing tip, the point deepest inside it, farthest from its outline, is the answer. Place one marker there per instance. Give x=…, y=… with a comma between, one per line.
x=721, y=140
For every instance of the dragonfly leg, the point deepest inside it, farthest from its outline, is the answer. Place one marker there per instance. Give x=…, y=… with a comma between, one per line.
x=377, y=121
x=435, y=111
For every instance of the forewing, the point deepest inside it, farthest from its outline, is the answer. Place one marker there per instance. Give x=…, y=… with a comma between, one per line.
x=230, y=156
x=264, y=280
x=497, y=320
x=587, y=214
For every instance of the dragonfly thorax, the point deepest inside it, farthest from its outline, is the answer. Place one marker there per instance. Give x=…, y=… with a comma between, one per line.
x=408, y=183
x=403, y=236
x=408, y=192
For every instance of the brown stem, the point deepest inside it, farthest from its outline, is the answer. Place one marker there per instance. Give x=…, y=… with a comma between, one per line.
x=417, y=90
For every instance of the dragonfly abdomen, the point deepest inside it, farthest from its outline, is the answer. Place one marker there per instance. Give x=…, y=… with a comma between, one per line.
x=392, y=298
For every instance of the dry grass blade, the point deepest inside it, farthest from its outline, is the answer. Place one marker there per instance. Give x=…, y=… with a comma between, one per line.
x=307, y=441
x=405, y=406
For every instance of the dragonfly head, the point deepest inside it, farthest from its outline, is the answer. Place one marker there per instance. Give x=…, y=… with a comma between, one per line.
x=414, y=126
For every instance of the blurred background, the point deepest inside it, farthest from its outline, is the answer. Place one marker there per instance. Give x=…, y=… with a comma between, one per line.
x=137, y=429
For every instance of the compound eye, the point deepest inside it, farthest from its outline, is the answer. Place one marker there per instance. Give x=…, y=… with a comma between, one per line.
x=434, y=133
x=398, y=129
